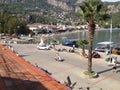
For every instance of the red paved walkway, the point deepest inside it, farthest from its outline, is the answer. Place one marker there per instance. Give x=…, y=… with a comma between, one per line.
x=17, y=74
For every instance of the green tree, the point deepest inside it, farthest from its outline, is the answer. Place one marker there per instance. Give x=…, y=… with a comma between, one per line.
x=82, y=43
x=22, y=28
x=92, y=11
x=54, y=42
x=10, y=24
x=4, y=19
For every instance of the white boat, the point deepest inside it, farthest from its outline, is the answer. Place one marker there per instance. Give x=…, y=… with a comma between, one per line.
x=43, y=46
x=104, y=46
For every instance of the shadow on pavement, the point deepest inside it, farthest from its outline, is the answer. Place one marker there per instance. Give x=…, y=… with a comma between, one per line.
x=118, y=71
x=100, y=72
x=22, y=55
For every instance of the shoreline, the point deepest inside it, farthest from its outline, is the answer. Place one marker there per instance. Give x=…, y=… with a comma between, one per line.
x=77, y=31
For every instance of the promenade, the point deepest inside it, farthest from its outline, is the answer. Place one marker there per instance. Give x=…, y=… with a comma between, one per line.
x=72, y=66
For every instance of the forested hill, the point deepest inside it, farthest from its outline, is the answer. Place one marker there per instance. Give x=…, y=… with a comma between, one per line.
x=55, y=5
x=52, y=11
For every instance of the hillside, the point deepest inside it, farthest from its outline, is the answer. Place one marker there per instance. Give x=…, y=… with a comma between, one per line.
x=52, y=4
x=57, y=9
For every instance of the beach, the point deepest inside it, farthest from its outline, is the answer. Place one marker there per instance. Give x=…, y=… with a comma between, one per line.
x=73, y=66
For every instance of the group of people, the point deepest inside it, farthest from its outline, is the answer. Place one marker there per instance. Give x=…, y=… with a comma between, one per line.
x=11, y=48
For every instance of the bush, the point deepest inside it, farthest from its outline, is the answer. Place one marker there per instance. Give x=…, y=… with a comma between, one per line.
x=107, y=59
x=89, y=73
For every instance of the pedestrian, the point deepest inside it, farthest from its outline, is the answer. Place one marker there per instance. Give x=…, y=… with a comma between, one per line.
x=74, y=47
x=107, y=51
x=111, y=59
x=17, y=53
x=114, y=68
x=36, y=65
x=57, y=57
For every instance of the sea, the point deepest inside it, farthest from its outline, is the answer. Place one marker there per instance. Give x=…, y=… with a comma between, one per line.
x=99, y=36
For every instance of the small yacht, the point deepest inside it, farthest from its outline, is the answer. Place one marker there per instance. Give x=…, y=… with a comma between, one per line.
x=43, y=46
x=104, y=46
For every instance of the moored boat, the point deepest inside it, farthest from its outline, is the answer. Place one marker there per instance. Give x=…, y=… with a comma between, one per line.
x=116, y=49
x=104, y=46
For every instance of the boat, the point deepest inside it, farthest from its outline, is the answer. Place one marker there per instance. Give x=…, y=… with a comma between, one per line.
x=116, y=49
x=104, y=46
x=71, y=43
x=43, y=46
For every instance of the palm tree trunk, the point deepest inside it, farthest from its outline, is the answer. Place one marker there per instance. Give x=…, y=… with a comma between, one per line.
x=54, y=47
x=91, y=30
x=83, y=51
x=90, y=56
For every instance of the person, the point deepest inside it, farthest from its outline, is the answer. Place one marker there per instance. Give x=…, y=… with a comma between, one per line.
x=36, y=65
x=17, y=53
x=106, y=51
x=57, y=58
x=114, y=68
x=111, y=59
x=74, y=47
x=71, y=50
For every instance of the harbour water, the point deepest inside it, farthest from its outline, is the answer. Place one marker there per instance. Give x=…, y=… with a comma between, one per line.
x=100, y=36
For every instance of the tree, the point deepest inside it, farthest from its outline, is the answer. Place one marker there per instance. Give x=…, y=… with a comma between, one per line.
x=54, y=42
x=92, y=11
x=82, y=43
x=10, y=24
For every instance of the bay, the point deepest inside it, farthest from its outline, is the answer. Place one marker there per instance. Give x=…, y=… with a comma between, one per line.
x=99, y=36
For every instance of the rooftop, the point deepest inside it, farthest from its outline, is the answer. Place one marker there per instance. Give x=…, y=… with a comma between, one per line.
x=17, y=74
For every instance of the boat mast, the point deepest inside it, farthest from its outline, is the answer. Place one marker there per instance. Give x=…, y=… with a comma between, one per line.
x=110, y=35
x=111, y=30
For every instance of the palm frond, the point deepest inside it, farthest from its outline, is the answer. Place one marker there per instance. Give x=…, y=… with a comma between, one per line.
x=93, y=9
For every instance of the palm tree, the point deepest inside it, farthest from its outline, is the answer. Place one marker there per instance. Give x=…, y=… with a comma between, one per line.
x=54, y=42
x=82, y=43
x=92, y=11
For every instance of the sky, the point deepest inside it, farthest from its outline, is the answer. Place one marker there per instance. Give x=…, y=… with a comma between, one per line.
x=111, y=0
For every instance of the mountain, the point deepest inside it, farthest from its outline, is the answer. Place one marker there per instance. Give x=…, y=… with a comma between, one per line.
x=58, y=9
x=64, y=5
x=43, y=4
